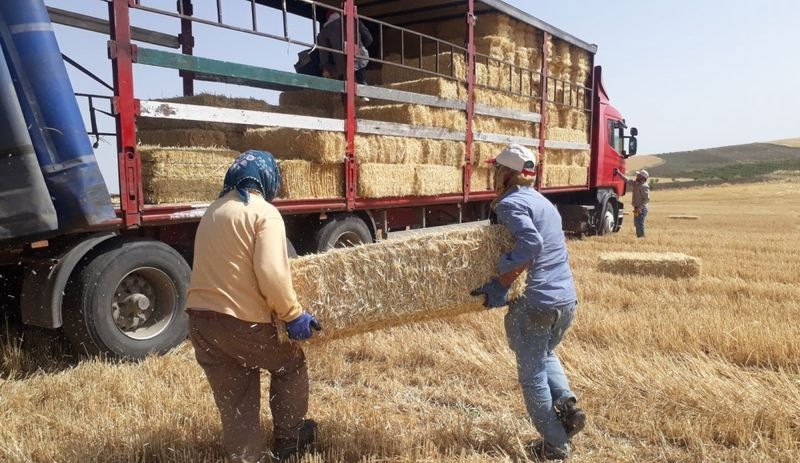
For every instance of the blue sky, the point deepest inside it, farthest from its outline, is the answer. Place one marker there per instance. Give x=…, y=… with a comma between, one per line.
x=688, y=74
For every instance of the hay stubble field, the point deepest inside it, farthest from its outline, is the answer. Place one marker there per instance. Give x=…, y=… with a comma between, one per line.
x=700, y=369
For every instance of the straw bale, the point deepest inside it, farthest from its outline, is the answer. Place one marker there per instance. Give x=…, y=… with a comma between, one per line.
x=496, y=46
x=555, y=175
x=581, y=69
x=500, y=99
x=180, y=190
x=419, y=115
x=668, y=264
x=567, y=135
x=317, y=99
x=482, y=179
x=562, y=58
x=308, y=180
x=376, y=149
x=386, y=180
x=684, y=217
x=310, y=145
x=185, y=137
x=435, y=86
x=497, y=125
x=183, y=155
x=166, y=169
x=482, y=152
x=567, y=157
x=450, y=63
x=443, y=152
x=391, y=283
x=432, y=180
x=204, y=99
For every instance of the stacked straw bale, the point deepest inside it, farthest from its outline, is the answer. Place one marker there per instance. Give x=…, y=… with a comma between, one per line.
x=309, y=145
x=366, y=288
x=386, y=180
x=312, y=102
x=420, y=115
x=482, y=179
x=308, y=180
x=668, y=264
x=434, y=86
x=178, y=175
x=433, y=180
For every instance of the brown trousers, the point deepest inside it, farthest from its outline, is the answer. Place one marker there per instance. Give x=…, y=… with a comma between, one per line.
x=232, y=352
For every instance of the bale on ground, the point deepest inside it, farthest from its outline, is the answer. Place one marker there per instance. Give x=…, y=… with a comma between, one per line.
x=432, y=180
x=386, y=180
x=683, y=217
x=378, y=286
x=668, y=264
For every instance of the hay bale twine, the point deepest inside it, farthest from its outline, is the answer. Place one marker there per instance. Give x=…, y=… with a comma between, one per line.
x=683, y=217
x=667, y=264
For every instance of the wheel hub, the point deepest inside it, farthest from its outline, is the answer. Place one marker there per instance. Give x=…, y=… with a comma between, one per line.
x=143, y=303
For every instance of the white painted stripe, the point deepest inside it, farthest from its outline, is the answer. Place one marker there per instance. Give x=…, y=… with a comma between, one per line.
x=31, y=27
x=167, y=110
x=565, y=145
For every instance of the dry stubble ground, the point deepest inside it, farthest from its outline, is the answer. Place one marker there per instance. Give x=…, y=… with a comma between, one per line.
x=706, y=369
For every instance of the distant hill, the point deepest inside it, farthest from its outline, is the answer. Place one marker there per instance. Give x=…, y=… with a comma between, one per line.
x=728, y=163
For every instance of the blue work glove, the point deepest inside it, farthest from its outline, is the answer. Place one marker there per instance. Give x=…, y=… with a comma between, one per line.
x=496, y=294
x=299, y=329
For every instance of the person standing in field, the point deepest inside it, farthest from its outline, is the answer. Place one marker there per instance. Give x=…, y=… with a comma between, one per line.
x=241, y=287
x=536, y=322
x=641, y=198
x=334, y=64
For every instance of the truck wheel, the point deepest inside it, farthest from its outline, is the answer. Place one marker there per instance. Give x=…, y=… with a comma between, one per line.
x=128, y=301
x=342, y=231
x=608, y=219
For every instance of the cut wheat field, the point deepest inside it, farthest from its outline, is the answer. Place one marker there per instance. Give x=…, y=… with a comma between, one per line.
x=694, y=370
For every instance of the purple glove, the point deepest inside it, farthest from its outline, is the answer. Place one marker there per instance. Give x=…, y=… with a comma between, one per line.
x=299, y=329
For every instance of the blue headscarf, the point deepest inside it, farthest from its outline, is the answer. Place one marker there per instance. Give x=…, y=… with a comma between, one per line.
x=253, y=170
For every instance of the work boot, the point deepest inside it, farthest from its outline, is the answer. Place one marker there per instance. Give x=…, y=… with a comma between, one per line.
x=572, y=418
x=544, y=451
x=285, y=449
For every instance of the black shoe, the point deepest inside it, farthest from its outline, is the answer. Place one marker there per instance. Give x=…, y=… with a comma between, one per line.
x=572, y=418
x=542, y=451
x=285, y=449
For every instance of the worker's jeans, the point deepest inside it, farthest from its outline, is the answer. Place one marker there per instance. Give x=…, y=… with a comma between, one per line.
x=232, y=352
x=533, y=333
x=638, y=221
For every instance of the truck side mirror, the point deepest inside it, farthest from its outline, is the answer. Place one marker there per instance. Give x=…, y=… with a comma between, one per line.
x=632, y=143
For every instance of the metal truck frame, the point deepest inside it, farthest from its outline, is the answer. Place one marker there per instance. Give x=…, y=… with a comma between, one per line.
x=119, y=288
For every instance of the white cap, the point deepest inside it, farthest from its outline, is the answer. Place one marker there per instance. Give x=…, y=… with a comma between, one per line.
x=517, y=158
x=643, y=173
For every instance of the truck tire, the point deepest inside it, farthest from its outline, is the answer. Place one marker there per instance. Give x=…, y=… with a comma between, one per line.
x=127, y=300
x=607, y=221
x=342, y=231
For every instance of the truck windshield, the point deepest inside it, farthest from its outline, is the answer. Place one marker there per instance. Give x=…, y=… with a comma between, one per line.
x=615, y=136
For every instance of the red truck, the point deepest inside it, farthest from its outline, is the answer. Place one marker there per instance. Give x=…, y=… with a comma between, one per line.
x=117, y=286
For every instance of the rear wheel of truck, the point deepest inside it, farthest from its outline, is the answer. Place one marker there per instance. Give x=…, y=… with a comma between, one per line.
x=342, y=231
x=128, y=300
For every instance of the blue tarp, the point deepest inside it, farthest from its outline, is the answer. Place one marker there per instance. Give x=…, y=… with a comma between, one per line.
x=51, y=112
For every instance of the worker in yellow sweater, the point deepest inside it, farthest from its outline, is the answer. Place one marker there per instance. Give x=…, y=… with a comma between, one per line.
x=241, y=286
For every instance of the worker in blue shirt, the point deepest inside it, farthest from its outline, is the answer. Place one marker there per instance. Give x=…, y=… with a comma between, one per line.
x=536, y=322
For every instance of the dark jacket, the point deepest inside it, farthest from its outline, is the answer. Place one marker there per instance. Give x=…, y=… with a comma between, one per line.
x=330, y=36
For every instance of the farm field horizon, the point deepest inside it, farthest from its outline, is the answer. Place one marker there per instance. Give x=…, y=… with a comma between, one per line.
x=668, y=370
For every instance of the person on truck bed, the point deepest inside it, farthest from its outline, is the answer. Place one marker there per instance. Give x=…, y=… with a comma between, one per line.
x=334, y=64
x=536, y=322
x=641, y=198
x=241, y=287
